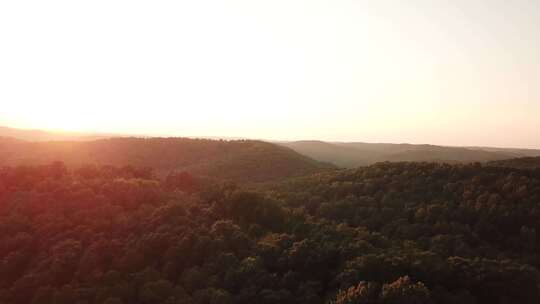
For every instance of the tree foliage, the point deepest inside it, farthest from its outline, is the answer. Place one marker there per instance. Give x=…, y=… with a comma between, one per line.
x=388, y=233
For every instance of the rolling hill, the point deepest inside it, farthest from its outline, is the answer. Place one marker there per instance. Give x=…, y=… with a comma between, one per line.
x=341, y=154
x=354, y=154
x=240, y=161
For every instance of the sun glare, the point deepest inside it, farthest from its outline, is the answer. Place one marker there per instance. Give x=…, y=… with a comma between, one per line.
x=353, y=70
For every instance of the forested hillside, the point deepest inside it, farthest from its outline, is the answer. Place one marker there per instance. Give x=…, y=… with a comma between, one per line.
x=54, y=146
x=479, y=219
x=388, y=233
x=355, y=154
x=236, y=160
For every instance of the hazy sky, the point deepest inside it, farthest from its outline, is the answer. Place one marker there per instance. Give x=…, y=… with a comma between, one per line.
x=443, y=72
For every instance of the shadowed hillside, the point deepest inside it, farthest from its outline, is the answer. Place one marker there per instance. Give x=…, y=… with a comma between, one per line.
x=241, y=161
x=341, y=155
x=350, y=155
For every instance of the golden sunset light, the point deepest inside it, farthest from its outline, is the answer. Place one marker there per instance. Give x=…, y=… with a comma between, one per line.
x=270, y=152
x=343, y=70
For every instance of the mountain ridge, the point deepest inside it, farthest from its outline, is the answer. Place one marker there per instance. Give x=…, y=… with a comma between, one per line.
x=355, y=154
x=340, y=154
x=240, y=161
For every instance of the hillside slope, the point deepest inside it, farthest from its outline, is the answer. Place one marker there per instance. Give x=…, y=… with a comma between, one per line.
x=354, y=154
x=241, y=161
x=339, y=154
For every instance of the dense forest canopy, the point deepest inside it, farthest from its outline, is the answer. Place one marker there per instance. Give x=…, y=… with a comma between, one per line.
x=518, y=163
x=388, y=233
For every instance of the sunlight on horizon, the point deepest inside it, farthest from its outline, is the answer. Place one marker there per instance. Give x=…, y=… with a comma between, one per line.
x=457, y=73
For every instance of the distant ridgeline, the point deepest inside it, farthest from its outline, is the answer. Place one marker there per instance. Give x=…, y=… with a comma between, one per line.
x=388, y=233
x=351, y=155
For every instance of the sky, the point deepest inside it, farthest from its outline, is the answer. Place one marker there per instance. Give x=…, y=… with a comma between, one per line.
x=455, y=72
